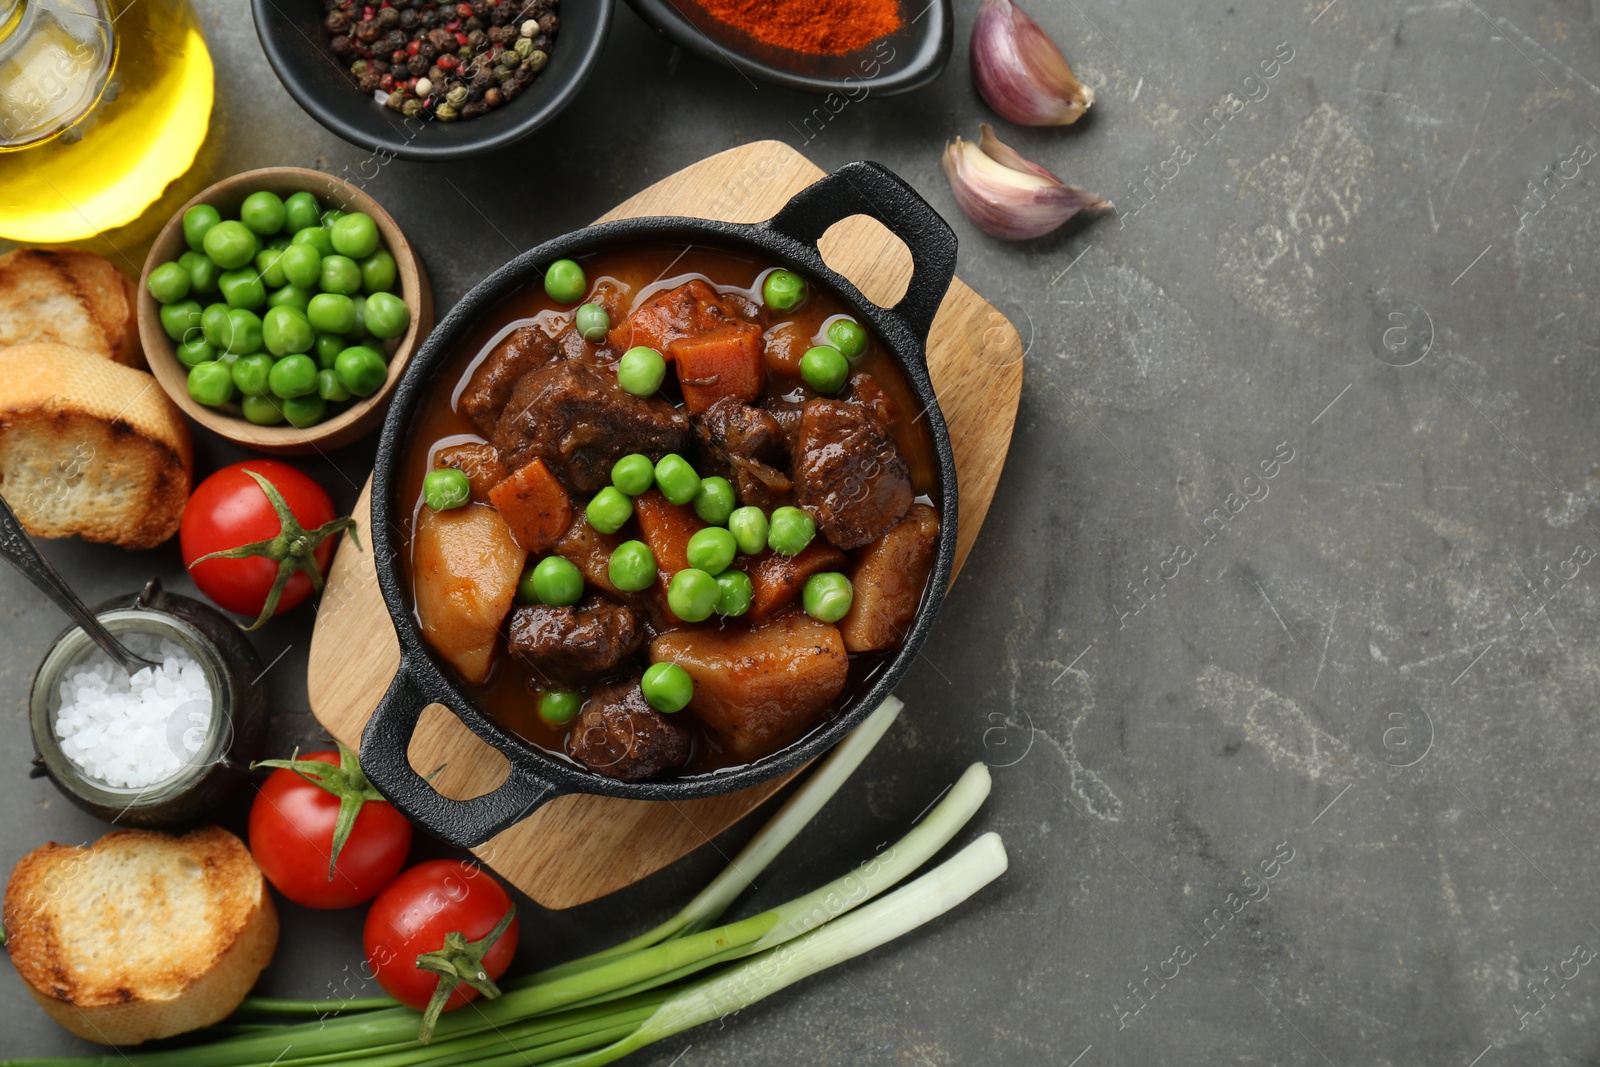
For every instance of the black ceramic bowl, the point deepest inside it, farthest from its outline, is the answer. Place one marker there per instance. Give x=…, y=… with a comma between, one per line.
x=789, y=238
x=907, y=59
x=296, y=46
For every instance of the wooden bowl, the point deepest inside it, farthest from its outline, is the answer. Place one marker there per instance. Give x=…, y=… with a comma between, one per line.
x=357, y=419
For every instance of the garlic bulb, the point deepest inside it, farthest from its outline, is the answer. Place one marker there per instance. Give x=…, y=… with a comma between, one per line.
x=1020, y=72
x=1009, y=196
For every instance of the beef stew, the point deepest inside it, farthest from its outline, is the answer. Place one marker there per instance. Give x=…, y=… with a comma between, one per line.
x=536, y=416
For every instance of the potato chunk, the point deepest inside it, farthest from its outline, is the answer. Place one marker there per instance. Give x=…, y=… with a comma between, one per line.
x=760, y=688
x=889, y=576
x=464, y=571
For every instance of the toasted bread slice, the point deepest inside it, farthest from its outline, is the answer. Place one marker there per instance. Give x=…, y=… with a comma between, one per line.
x=140, y=935
x=90, y=447
x=69, y=297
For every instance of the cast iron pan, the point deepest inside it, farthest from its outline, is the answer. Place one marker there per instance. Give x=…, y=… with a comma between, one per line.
x=788, y=238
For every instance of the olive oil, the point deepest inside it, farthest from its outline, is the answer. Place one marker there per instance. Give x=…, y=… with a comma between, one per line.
x=102, y=104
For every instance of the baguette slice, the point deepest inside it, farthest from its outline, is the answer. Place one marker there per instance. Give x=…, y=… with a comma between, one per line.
x=90, y=447
x=71, y=298
x=140, y=935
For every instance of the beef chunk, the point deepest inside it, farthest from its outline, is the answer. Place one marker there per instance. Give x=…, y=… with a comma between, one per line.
x=566, y=645
x=580, y=422
x=691, y=309
x=752, y=445
x=848, y=475
x=479, y=461
x=525, y=349
x=621, y=736
x=865, y=390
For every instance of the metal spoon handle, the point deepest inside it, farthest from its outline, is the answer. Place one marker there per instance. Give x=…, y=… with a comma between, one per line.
x=18, y=547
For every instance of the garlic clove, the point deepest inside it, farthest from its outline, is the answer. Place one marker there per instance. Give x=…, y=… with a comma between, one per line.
x=1008, y=196
x=1020, y=72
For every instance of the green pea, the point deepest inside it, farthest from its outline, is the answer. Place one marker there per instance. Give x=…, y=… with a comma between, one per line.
x=251, y=374
x=714, y=502
x=386, y=316
x=217, y=327
x=592, y=321
x=227, y=359
x=315, y=236
x=354, y=235
x=230, y=244
x=557, y=581
x=302, y=265
x=827, y=596
x=291, y=296
x=783, y=290
x=179, y=318
x=303, y=411
x=633, y=474
x=210, y=384
x=564, y=282
x=734, y=593
x=379, y=274
x=676, y=479
x=692, y=596
x=168, y=283
x=848, y=337
x=331, y=313
x=301, y=210
x=749, y=528
x=641, y=371
x=269, y=267
x=330, y=388
x=667, y=687
x=632, y=566
x=287, y=332
x=791, y=531
x=825, y=369
x=361, y=369
x=359, y=331
x=711, y=550
x=246, y=330
x=197, y=222
x=609, y=509
x=242, y=288
x=263, y=212
x=293, y=376
x=340, y=275
x=203, y=273
x=262, y=410
x=446, y=488
x=559, y=706
x=195, y=351
x=328, y=347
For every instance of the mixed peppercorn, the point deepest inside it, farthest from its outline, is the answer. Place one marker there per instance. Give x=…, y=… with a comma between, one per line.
x=447, y=61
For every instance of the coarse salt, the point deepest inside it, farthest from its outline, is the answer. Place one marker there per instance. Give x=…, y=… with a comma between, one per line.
x=133, y=732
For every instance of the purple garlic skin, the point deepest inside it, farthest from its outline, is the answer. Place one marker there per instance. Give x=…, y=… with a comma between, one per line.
x=1008, y=196
x=1019, y=71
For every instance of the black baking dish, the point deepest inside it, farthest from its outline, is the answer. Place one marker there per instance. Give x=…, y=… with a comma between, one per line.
x=789, y=238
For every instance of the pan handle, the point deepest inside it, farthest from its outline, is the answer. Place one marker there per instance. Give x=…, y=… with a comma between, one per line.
x=866, y=188
x=385, y=758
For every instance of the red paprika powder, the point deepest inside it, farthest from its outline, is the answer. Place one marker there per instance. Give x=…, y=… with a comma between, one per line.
x=820, y=27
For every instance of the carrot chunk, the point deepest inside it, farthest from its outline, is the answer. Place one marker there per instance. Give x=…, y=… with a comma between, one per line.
x=667, y=529
x=535, y=506
x=725, y=362
x=778, y=580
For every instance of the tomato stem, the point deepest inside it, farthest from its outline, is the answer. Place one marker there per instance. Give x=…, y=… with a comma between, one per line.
x=294, y=549
x=347, y=781
x=459, y=961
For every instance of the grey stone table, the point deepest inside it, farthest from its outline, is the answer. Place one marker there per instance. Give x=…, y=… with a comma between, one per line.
x=1280, y=636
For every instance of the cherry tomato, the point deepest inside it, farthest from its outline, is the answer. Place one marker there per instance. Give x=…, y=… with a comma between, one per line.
x=292, y=823
x=414, y=914
x=229, y=510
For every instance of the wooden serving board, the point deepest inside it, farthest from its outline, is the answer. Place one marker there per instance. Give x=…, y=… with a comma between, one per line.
x=578, y=848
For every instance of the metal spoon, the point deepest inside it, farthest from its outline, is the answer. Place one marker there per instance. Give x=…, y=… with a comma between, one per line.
x=18, y=547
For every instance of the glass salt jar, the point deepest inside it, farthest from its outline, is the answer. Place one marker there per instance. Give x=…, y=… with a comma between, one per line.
x=214, y=758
